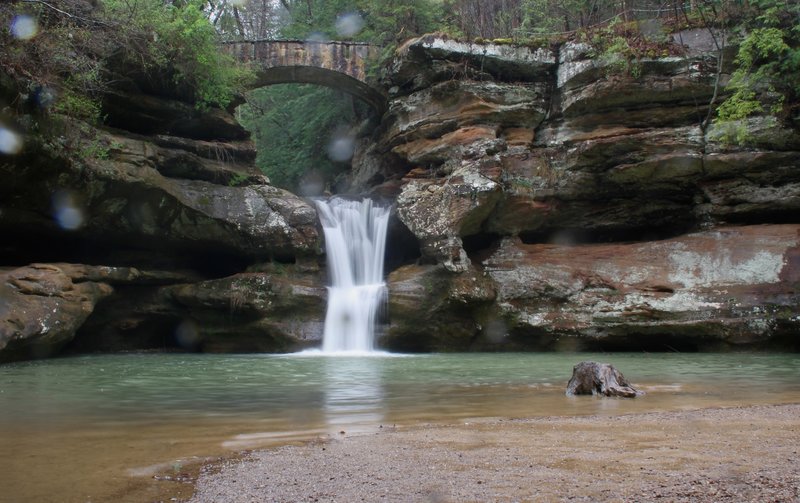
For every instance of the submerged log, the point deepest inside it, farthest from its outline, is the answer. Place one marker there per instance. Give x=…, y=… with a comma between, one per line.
x=592, y=378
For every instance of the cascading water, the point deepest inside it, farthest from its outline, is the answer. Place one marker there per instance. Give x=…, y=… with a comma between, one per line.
x=355, y=239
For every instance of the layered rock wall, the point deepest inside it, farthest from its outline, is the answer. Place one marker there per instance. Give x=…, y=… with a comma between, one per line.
x=554, y=202
x=598, y=205
x=154, y=231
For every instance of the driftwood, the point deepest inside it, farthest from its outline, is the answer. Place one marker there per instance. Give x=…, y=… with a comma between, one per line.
x=592, y=378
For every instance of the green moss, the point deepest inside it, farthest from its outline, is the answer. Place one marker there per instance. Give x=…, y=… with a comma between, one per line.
x=238, y=179
x=79, y=106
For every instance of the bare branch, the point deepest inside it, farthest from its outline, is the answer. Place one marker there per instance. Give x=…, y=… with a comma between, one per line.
x=65, y=13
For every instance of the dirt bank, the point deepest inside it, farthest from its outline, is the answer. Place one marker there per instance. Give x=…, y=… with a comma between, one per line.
x=731, y=454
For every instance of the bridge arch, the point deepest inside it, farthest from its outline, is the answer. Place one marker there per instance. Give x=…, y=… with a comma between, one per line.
x=339, y=65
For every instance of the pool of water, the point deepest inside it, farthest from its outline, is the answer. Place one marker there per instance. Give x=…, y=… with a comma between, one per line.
x=97, y=428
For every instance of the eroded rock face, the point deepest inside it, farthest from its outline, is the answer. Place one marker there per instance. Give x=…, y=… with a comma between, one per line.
x=456, y=134
x=574, y=148
x=170, y=195
x=557, y=202
x=42, y=306
x=439, y=212
x=167, y=200
x=276, y=311
x=711, y=289
x=429, y=59
x=433, y=309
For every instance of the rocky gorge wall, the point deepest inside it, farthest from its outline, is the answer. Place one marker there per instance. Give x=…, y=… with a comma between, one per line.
x=563, y=203
x=152, y=232
x=542, y=201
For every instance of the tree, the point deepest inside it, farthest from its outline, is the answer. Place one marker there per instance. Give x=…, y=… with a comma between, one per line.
x=252, y=20
x=294, y=127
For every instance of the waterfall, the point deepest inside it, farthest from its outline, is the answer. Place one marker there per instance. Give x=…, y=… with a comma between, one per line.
x=355, y=239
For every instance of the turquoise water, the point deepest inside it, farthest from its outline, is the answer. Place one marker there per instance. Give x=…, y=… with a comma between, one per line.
x=119, y=419
x=173, y=387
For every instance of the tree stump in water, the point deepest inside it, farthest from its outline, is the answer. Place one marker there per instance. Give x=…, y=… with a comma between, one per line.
x=592, y=378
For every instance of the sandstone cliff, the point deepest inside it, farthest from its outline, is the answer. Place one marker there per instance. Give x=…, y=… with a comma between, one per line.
x=163, y=204
x=584, y=206
x=544, y=200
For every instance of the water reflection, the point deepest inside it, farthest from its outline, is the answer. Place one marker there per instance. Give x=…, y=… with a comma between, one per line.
x=354, y=393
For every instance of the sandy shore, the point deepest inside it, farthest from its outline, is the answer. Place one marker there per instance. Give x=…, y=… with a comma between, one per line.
x=731, y=454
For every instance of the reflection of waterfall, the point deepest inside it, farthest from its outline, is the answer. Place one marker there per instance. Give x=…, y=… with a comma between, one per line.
x=354, y=395
x=355, y=237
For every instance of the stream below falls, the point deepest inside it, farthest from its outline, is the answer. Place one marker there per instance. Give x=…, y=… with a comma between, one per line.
x=100, y=428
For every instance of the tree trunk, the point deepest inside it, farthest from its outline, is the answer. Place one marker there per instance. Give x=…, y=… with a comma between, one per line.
x=592, y=378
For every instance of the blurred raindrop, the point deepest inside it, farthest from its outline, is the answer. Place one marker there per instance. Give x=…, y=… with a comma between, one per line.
x=567, y=237
x=141, y=216
x=316, y=37
x=187, y=334
x=10, y=142
x=44, y=96
x=24, y=27
x=496, y=331
x=341, y=147
x=312, y=184
x=66, y=210
x=349, y=24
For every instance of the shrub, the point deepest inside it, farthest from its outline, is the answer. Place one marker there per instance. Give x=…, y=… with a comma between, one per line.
x=176, y=42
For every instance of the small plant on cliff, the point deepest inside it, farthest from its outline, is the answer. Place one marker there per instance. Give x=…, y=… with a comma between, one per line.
x=622, y=46
x=57, y=62
x=767, y=75
x=238, y=179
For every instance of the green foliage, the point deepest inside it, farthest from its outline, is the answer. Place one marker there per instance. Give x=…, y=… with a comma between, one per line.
x=621, y=46
x=619, y=57
x=80, y=48
x=78, y=105
x=385, y=22
x=176, y=40
x=237, y=180
x=62, y=64
x=767, y=74
x=292, y=126
x=94, y=149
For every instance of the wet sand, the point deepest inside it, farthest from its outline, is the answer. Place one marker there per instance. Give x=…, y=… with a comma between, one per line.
x=720, y=454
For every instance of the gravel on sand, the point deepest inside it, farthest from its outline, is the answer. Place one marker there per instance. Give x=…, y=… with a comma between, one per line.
x=728, y=454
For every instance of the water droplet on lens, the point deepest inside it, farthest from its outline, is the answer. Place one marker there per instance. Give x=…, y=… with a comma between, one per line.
x=316, y=37
x=66, y=211
x=187, y=334
x=341, y=147
x=45, y=97
x=24, y=27
x=349, y=24
x=10, y=142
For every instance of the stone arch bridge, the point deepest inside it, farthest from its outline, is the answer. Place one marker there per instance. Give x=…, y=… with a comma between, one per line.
x=339, y=65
